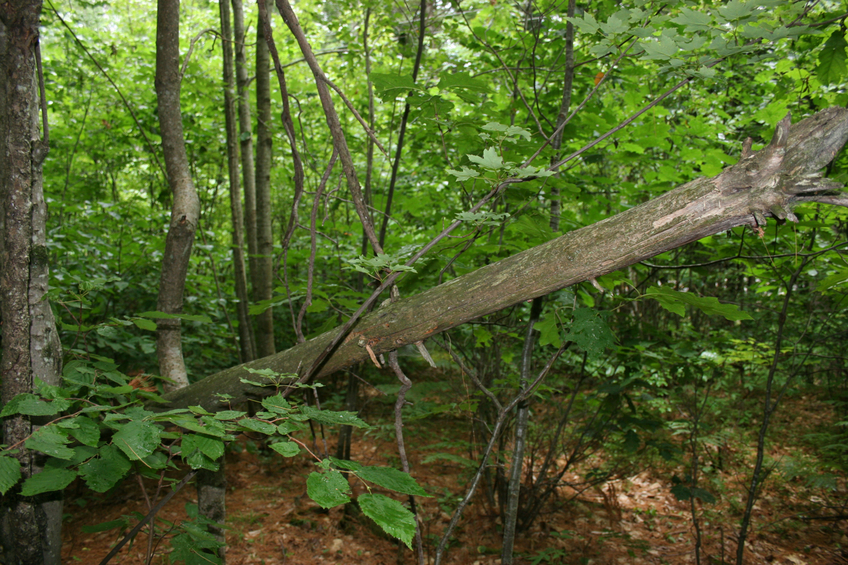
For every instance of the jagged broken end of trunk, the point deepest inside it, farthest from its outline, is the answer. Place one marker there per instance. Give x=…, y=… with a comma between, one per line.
x=770, y=182
x=789, y=170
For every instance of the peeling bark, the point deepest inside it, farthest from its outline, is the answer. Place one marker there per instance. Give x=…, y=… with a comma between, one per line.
x=30, y=527
x=768, y=183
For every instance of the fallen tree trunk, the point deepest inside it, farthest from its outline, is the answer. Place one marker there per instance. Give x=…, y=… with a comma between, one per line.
x=766, y=183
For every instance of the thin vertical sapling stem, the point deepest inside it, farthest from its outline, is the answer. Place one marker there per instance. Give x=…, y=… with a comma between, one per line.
x=403, y=121
x=233, y=333
x=696, y=414
x=769, y=408
x=521, y=424
x=150, y=515
x=369, y=152
x=503, y=412
x=313, y=229
x=406, y=385
x=291, y=135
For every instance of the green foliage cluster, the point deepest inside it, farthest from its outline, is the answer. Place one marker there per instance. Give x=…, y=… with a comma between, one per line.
x=101, y=430
x=692, y=327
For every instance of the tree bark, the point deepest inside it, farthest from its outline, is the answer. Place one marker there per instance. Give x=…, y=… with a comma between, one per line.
x=565, y=105
x=263, y=276
x=30, y=527
x=248, y=174
x=767, y=183
x=247, y=351
x=185, y=210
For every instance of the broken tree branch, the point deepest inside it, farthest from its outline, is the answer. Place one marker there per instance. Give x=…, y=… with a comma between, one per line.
x=770, y=182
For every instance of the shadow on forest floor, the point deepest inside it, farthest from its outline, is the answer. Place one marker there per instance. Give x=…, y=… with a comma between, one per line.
x=633, y=520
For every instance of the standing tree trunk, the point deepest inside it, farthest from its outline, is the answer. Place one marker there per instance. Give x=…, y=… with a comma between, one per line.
x=30, y=527
x=245, y=141
x=247, y=351
x=185, y=213
x=567, y=86
x=263, y=273
x=185, y=210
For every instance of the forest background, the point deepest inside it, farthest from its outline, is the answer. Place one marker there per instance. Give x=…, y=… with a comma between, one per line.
x=416, y=143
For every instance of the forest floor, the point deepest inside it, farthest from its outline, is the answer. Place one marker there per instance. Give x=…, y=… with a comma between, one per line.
x=633, y=520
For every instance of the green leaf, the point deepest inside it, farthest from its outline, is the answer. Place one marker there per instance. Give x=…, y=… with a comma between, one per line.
x=329, y=489
x=197, y=460
x=229, y=415
x=632, y=147
x=536, y=229
x=290, y=426
x=832, y=68
x=81, y=453
x=617, y=23
x=345, y=464
x=548, y=328
x=86, y=431
x=830, y=281
x=631, y=441
x=455, y=81
x=13, y=406
x=590, y=332
x=137, y=439
x=464, y=174
x=489, y=160
x=586, y=24
x=661, y=48
x=482, y=337
x=212, y=448
x=48, y=481
x=10, y=473
x=277, y=404
x=531, y=171
x=507, y=131
x=210, y=426
x=333, y=418
x=391, y=479
x=32, y=405
x=694, y=21
x=266, y=428
x=673, y=300
x=196, y=545
x=390, y=86
x=104, y=472
x=50, y=441
x=286, y=448
x=482, y=218
x=390, y=515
